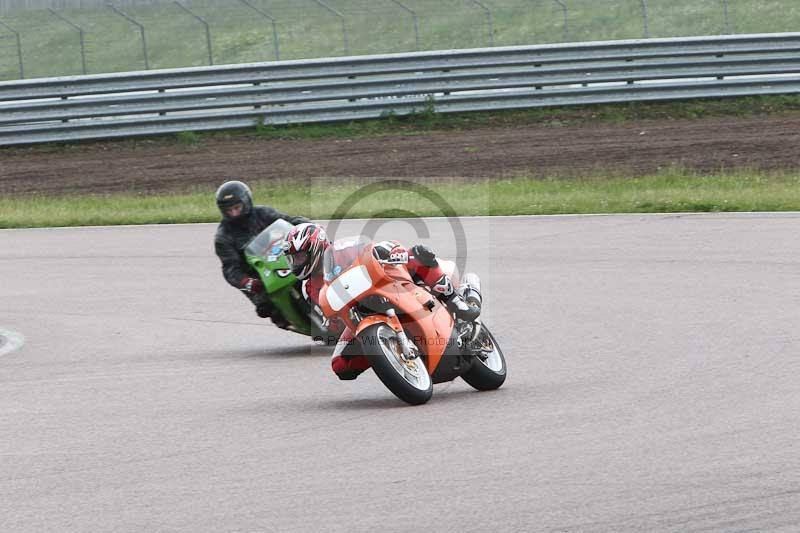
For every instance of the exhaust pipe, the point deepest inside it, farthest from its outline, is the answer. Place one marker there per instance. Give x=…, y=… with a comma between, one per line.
x=471, y=289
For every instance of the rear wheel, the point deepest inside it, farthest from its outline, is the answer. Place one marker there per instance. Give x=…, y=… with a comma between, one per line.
x=488, y=372
x=408, y=379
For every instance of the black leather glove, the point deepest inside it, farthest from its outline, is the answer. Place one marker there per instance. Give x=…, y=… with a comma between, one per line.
x=251, y=286
x=424, y=255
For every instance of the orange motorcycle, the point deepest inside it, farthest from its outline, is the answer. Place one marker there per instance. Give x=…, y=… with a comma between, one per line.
x=409, y=337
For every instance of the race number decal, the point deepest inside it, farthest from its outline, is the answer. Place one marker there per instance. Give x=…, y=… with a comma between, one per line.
x=398, y=255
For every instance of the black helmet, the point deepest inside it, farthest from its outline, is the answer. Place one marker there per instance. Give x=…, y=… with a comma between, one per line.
x=231, y=193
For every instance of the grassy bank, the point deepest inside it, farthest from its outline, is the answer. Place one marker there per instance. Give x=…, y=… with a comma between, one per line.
x=673, y=191
x=304, y=28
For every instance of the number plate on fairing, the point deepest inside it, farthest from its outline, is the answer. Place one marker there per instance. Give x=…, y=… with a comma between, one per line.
x=348, y=287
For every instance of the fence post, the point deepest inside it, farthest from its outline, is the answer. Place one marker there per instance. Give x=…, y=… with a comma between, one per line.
x=414, y=18
x=725, y=9
x=80, y=35
x=19, y=48
x=489, y=19
x=274, y=26
x=645, y=19
x=344, y=25
x=141, y=32
x=205, y=25
x=565, y=11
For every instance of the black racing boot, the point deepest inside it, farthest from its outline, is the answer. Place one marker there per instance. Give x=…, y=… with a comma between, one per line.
x=279, y=320
x=456, y=305
x=444, y=289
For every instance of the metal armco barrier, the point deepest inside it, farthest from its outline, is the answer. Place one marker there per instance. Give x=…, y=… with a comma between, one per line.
x=350, y=88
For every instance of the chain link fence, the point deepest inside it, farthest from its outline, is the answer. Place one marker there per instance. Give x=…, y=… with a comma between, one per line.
x=40, y=38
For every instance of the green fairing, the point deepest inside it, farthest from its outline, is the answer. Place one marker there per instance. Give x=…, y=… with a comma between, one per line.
x=265, y=254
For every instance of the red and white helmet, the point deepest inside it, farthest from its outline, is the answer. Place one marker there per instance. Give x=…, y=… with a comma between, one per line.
x=304, y=247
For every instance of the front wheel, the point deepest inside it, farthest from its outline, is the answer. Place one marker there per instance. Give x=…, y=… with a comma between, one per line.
x=407, y=379
x=488, y=372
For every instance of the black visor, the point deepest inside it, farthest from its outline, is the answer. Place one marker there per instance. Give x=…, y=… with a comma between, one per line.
x=298, y=258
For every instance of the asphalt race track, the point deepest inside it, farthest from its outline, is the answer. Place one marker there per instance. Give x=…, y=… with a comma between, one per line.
x=653, y=386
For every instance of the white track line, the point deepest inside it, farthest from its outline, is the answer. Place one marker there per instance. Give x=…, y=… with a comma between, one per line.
x=10, y=341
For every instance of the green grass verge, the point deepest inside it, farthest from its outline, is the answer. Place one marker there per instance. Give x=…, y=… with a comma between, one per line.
x=672, y=191
x=305, y=29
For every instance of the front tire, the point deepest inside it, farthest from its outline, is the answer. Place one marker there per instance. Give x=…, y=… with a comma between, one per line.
x=408, y=380
x=488, y=374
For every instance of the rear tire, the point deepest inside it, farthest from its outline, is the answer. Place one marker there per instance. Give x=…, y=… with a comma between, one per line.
x=408, y=380
x=491, y=373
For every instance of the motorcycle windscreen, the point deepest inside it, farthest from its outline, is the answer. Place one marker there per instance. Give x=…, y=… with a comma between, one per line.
x=268, y=245
x=341, y=255
x=265, y=254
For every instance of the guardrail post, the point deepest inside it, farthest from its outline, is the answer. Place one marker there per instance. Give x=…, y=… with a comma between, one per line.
x=274, y=26
x=645, y=19
x=141, y=32
x=565, y=11
x=489, y=19
x=726, y=11
x=19, y=48
x=80, y=35
x=205, y=25
x=414, y=18
x=344, y=25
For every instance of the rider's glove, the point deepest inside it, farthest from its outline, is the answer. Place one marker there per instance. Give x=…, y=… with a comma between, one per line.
x=424, y=255
x=251, y=286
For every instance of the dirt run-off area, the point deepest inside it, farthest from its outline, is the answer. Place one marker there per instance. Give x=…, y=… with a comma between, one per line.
x=626, y=148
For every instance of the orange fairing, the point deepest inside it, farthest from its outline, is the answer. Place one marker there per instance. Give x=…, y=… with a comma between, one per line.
x=425, y=320
x=392, y=321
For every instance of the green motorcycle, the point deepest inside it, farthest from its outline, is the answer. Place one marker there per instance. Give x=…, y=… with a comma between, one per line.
x=265, y=254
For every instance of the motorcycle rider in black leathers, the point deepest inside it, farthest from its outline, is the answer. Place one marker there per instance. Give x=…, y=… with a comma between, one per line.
x=241, y=221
